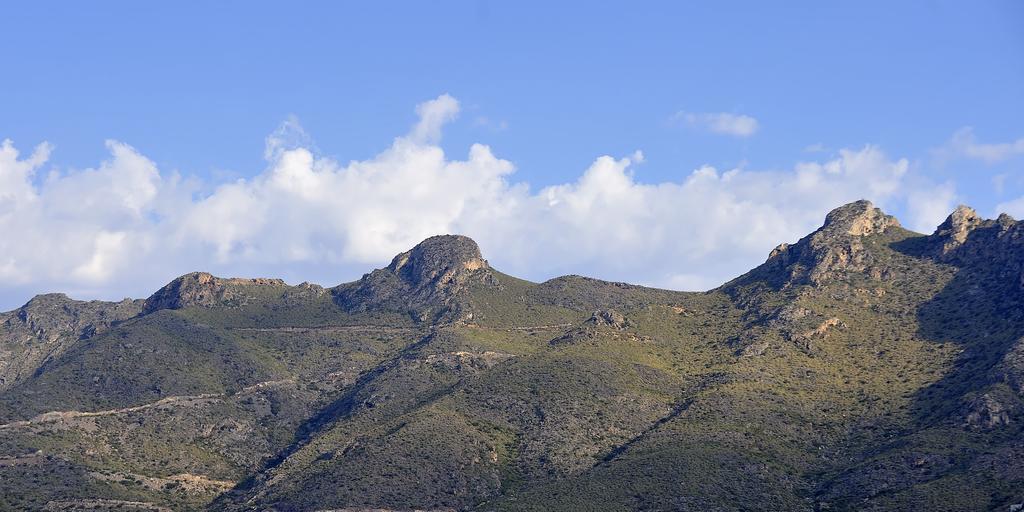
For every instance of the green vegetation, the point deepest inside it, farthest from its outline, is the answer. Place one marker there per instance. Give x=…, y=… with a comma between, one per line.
x=864, y=367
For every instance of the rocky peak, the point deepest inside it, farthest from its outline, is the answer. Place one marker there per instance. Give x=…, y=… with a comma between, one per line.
x=833, y=249
x=52, y=315
x=45, y=307
x=1005, y=221
x=982, y=245
x=438, y=258
x=953, y=232
x=429, y=281
x=859, y=218
x=48, y=325
x=206, y=290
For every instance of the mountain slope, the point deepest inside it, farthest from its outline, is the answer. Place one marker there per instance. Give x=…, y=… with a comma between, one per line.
x=863, y=367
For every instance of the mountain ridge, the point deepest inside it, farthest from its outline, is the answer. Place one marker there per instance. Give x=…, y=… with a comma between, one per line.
x=200, y=288
x=862, y=367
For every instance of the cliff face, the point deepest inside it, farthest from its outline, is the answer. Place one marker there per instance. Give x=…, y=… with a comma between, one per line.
x=863, y=367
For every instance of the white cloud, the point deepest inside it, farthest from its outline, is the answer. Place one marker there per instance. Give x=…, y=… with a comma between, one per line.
x=125, y=228
x=78, y=230
x=16, y=175
x=289, y=135
x=433, y=115
x=965, y=144
x=722, y=123
x=490, y=124
x=928, y=206
x=1014, y=208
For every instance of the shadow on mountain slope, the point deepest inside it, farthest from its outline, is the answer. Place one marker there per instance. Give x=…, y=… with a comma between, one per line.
x=981, y=310
x=340, y=408
x=961, y=448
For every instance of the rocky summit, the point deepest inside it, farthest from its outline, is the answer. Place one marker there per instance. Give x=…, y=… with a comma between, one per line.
x=863, y=367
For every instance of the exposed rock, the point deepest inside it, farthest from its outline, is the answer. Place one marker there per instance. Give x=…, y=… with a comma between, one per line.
x=306, y=288
x=986, y=412
x=67, y=418
x=954, y=230
x=964, y=236
x=48, y=317
x=48, y=325
x=995, y=247
x=438, y=261
x=804, y=340
x=205, y=290
x=859, y=218
x=1005, y=221
x=608, y=318
x=603, y=321
x=823, y=328
x=833, y=250
x=430, y=281
x=837, y=247
x=471, y=360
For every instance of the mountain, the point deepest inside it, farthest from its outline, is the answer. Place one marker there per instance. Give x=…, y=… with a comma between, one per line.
x=863, y=367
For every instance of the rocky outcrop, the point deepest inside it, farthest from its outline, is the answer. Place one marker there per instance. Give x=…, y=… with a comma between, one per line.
x=205, y=290
x=859, y=218
x=986, y=412
x=843, y=251
x=965, y=239
x=838, y=247
x=603, y=322
x=48, y=317
x=608, y=318
x=430, y=282
x=438, y=262
x=796, y=324
x=47, y=326
x=952, y=233
x=805, y=340
x=830, y=252
x=461, y=360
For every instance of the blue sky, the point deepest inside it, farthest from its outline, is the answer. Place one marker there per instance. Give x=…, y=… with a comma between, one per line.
x=196, y=89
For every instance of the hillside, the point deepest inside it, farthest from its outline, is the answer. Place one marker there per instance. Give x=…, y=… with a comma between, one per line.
x=863, y=367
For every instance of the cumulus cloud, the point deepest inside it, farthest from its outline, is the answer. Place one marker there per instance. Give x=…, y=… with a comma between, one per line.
x=125, y=228
x=1014, y=208
x=965, y=144
x=928, y=206
x=433, y=115
x=79, y=229
x=722, y=123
